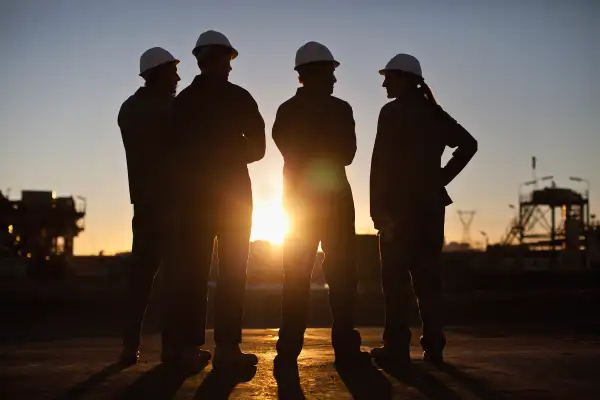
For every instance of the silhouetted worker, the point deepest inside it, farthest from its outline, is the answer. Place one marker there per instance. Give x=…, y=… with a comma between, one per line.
x=144, y=119
x=218, y=131
x=408, y=200
x=314, y=131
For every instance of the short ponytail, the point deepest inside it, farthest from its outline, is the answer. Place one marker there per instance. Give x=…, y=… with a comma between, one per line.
x=424, y=88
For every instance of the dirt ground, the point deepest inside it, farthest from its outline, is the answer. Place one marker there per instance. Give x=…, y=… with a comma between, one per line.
x=482, y=363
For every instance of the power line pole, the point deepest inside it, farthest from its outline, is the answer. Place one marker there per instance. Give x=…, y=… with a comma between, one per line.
x=466, y=219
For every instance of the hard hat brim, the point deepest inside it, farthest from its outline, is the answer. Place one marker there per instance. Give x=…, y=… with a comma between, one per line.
x=175, y=61
x=334, y=62
x=383, y=71
x=234, y=52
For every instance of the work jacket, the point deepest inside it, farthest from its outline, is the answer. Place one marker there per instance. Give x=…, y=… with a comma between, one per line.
x=406, y=173
x=145, y=123
x=218, y=131
x=316, y=136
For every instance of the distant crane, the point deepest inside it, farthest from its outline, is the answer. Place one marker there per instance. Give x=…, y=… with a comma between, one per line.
x=466, y=218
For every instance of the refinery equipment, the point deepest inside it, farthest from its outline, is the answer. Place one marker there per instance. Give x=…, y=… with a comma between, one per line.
x=41, y=227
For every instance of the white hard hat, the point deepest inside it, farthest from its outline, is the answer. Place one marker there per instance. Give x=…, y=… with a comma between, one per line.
x=404, y=63
x=314, y=52
x=154, y=57
x=212, y=38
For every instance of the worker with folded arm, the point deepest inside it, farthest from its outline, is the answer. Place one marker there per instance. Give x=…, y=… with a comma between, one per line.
x=315, y=133
x=218, y=132
x=145, y=123
x=408, y=199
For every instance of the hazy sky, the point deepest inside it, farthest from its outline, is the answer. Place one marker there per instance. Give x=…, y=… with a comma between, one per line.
x=523, y=79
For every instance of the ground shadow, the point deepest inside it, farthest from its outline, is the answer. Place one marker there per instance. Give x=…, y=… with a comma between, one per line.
x=365, y=382
x=288, y=379
x=219, y=383
x=476, y=386
x=161, y=382
x=417, y=377
x=93, y=381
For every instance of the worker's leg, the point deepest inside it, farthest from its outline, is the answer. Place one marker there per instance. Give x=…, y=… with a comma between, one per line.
x=146, y=258
x=396, y=255
x=233, y=246
x=427, y=283
x=186, y=269
x=340, y=270
x=299, y=254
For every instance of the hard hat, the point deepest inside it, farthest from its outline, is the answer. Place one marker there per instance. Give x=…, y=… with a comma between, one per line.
x=404, y=63
x=214, y=38
x=154, y=57
x=314, y=52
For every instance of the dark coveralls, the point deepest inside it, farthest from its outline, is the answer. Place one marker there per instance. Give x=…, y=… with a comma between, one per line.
x=144, y=120
x=408, y=185
x=218, y=131
x=316, y=136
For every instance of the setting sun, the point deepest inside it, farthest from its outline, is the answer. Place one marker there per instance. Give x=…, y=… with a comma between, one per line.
x=269, y=222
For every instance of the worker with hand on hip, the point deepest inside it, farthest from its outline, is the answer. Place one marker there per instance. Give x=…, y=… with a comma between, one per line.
x=408, y=200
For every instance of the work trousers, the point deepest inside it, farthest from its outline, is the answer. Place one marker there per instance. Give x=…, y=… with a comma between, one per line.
x=336, y=231
x=413, y=255
x=148, y=226
x=188, y=260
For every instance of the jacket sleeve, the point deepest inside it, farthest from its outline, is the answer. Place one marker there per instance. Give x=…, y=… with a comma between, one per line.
x=456, y=137
x=347, y=135
x=254, y=130
x=379, y=167
x=284, y=138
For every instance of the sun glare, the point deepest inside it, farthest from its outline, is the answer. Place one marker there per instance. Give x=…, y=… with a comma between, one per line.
x=269, y=222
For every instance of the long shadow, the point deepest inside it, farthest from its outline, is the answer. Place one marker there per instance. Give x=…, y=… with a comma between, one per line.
x=219, y=383
x=93, y=381
x=161, y=382
x=288, y=379
x=478, y=387
x=365, y=382
x=431, y=387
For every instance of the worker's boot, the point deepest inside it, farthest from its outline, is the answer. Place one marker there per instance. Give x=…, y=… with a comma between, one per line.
x=433, y=348
x=392, y=356
x=190, y=360
x=348, y=353
x=129, y=356
x=231, y=356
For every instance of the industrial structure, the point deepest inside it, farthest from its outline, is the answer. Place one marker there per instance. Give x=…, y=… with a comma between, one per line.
x=40, y=227
x=553, y=220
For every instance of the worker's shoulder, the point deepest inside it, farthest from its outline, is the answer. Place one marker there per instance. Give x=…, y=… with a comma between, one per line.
x=132, y=104
x=239, y=92
x=391, y=108
x=288, y=104
x=340, y=104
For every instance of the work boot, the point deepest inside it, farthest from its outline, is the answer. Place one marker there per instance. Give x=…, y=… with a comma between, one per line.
x=231, y=356
x=190, y=360
x=388, y=356
x=351, y=357
x=433, y=349
x=433, y=357
x=129, y=356
x=346, y=346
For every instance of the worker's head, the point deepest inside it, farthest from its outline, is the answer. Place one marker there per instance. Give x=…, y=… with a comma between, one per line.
x=318, y=76
x=214, y=53
x=159, y=69
x=316, y=67
x=214, y=60
x=402, y=76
